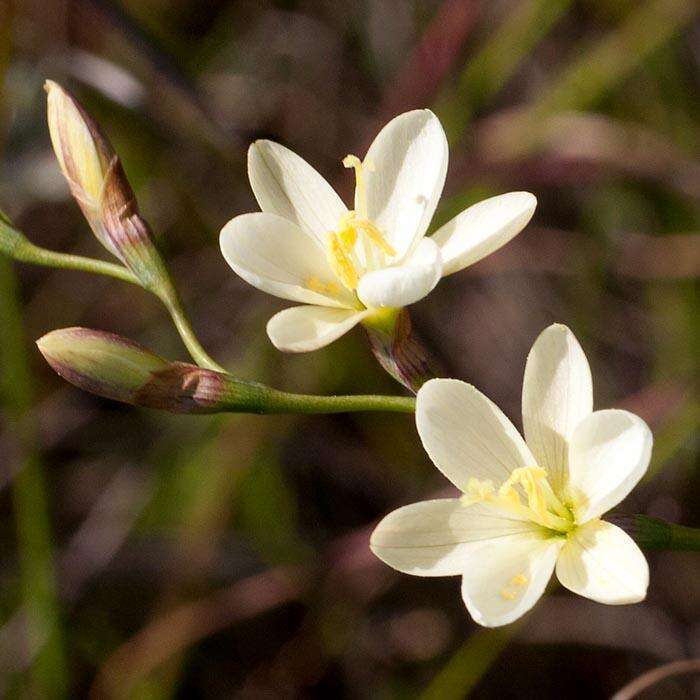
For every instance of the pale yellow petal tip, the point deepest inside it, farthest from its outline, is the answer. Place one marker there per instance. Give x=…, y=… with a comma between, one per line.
x=558, y=328
x=55, y=92
x=260, y=144
x=555, y=330
x=43, y=343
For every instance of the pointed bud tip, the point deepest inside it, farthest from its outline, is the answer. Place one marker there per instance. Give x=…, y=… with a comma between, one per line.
x=50, y=85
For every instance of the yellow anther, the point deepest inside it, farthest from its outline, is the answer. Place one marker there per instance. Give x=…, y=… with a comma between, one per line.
x=509, y=594
x=479, y=490
x=519, y=580
x=315, y=285
x=526, y=493
x=375, y=235
x=531, y=479
x=347, y=234
x=341, y=263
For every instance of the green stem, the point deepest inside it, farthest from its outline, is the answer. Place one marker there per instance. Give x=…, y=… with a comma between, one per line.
x=31, y=507
x=17, y=246
x=654, y=534
x=257, y=398
x=50, y=258
x=172, y=303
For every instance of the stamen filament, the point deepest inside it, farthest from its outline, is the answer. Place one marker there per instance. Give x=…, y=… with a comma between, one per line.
x=375, y=235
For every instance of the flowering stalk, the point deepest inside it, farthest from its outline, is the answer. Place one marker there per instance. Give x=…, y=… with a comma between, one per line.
x=655, y=534
x=114, y=367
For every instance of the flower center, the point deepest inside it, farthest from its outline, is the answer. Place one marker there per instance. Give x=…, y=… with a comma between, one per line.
x=527, y=493
x=357, y=244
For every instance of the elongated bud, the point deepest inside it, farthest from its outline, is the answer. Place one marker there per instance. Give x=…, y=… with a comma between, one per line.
x=398, y=350
x=101, y=363
x=117, y=368
x=98, y=183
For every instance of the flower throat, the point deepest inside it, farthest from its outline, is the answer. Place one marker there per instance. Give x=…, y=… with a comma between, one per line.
x=534, y=499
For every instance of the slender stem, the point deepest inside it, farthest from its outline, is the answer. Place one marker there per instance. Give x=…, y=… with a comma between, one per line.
x=31, y=508
x=654, y=534
x=184, y=328
x=30, y=253
x=15, y=244
x=256, y=398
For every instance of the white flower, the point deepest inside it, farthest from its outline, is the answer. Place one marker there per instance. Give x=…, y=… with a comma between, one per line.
x=343, y=264
x=526, y=508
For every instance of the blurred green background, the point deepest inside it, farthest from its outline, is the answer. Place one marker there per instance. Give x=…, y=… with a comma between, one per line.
x=145, y=555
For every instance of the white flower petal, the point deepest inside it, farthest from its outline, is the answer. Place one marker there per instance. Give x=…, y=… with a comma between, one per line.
x=482, y=229
x=601, y=562
x=508, y=576
x=557, y=395
x=437, y=538
x=405, y=174
x=609, y=453
x=285, y=184
x=404, y=284
x=275, y=255
x=304, y=328
x=467, y=435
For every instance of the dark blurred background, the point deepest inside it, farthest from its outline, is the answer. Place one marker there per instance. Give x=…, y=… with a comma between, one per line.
x=152, y=556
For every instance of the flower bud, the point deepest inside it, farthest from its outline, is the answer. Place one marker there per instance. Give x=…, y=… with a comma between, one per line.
x=98, y=183
x=116, y=368
x=101, y=363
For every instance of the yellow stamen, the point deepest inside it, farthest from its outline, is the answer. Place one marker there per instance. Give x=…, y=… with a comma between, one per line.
x=346, y=263
x=347, y=233
x=315, y=285
x=341, y=263
x=541, y=505
x=478, y=491
x=509, y=594
x=375, y=235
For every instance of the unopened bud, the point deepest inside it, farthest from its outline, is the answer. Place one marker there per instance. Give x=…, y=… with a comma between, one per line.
x=98, y=183
x=101, y=363
x=116, y=368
